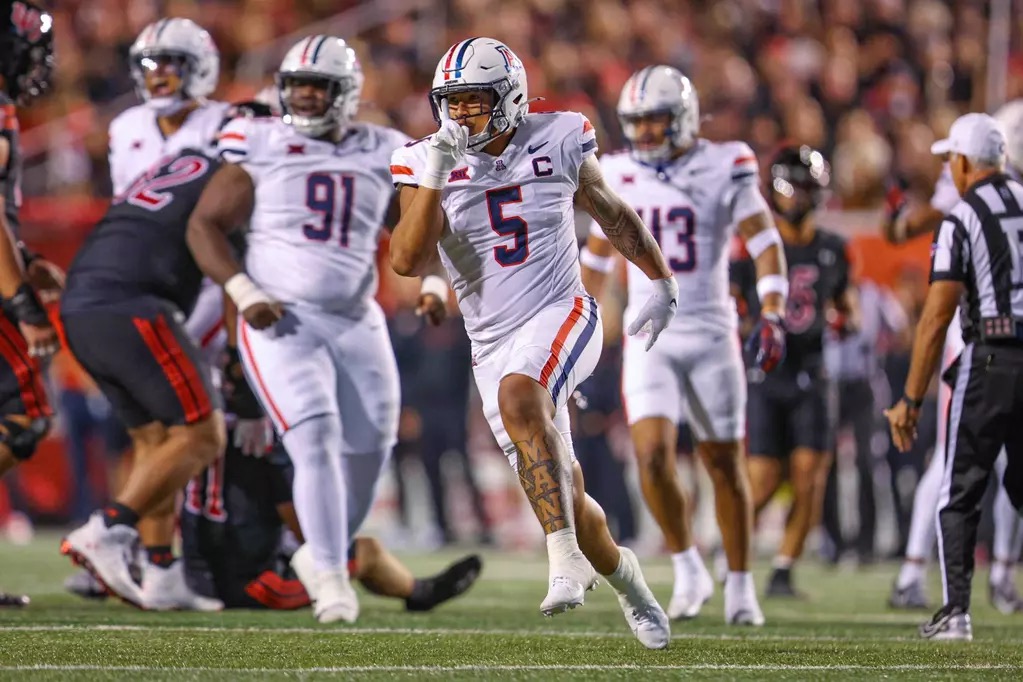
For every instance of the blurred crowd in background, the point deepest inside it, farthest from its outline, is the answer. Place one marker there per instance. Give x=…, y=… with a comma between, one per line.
x=870, y=83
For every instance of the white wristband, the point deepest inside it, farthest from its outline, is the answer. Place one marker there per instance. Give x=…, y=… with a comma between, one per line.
x=244, y=292
x=772, y=284
x=432, y=284
x=762, y=241
x=434, y=179
x=591, y=260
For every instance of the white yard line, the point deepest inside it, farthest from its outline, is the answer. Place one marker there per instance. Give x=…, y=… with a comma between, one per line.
x=499, y=668
x=753, y=635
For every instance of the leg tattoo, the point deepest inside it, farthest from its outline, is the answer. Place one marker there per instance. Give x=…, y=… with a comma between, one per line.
x=545, y=481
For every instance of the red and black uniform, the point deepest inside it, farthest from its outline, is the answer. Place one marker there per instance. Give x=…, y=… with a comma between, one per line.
x=21, y=384
x=129, y=290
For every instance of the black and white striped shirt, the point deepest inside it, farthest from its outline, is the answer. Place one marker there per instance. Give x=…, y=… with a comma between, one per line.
x=980, y=243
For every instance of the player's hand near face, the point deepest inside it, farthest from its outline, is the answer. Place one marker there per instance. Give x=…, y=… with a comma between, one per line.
x=447, y=147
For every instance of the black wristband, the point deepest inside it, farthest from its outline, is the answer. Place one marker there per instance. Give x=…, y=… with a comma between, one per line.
x=915, y=404
x=26, y=306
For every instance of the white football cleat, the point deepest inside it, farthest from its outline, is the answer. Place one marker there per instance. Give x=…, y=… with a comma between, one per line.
x=331, y=592
x=687, y=599
x=569, y=583
x=305, y=570
x=335, y=597
x=107, y=554
x=745, y=612
x=165, y=589
x=644, y=615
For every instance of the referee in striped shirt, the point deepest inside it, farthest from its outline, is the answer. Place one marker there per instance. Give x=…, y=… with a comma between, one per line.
x=977, y=263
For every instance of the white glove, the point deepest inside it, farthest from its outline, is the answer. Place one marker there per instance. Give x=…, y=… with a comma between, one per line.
x=657, y=312
x=446, y=149
x=252, y=436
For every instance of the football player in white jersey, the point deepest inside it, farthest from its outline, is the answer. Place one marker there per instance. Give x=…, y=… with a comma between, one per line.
x=175, y=65
x=908, y=591
x=693, y=194
x=313, y=340
x=492, y=193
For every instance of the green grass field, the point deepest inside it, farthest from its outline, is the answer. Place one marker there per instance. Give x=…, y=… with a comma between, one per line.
x=494, y=632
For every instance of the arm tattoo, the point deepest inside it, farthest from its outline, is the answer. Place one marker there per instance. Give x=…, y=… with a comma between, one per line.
x=540, y=473
x=623, y=227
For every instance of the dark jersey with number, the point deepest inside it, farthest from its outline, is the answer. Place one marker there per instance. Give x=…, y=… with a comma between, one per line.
x=10, y=175
x=138, y=250
x=818, y=275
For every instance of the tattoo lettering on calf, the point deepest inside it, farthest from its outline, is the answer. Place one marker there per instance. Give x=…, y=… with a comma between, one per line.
x=540, y=474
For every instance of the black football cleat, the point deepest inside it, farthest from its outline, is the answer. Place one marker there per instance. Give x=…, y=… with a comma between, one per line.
x=456, y=579
x=13, y=600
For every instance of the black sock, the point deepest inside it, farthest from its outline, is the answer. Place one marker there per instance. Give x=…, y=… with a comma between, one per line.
x=118, y=514
x=423, y=596
x=160, y=555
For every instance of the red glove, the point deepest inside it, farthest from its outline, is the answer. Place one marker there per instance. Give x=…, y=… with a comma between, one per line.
x=766, y=344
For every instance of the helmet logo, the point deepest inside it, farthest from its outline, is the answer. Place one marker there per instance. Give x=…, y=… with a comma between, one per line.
x=509, y=58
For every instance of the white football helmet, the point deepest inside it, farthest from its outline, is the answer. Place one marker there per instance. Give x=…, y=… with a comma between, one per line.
x=482, y=64
x=657, y=90
x=1010, y=117
x=322, y=58
x=176, y=38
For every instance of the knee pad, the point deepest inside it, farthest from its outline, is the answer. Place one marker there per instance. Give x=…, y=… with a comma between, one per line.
x=21, y=439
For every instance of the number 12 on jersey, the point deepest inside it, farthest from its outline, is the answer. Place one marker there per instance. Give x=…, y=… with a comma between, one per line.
x=321, y=196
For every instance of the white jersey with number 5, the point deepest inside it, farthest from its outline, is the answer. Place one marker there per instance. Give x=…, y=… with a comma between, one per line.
x=510, y=248
x=689, y=206
x=319, y=207
x=137, y=143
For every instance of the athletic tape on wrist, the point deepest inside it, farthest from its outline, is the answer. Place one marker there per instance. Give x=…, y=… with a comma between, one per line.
x=244, y=292
x=772, y=284
x=432, y=284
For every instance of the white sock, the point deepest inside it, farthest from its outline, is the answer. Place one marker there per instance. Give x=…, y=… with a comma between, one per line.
x=998, y=572
x=911, y=572
x=738, y=584
x=623, y=578
x=561, y=545
x=321, y=503
x=688, y=564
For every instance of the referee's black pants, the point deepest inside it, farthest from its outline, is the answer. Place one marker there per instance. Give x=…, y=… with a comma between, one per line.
x=986, y=411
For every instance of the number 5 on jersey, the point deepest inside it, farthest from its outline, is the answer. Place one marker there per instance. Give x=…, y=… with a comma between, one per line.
x=508, y=226
x=321, y=196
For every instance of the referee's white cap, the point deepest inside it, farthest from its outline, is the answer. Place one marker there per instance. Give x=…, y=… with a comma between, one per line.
x=976, y=136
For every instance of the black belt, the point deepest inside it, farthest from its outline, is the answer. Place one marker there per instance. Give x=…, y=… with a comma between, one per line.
x=1000, y=330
